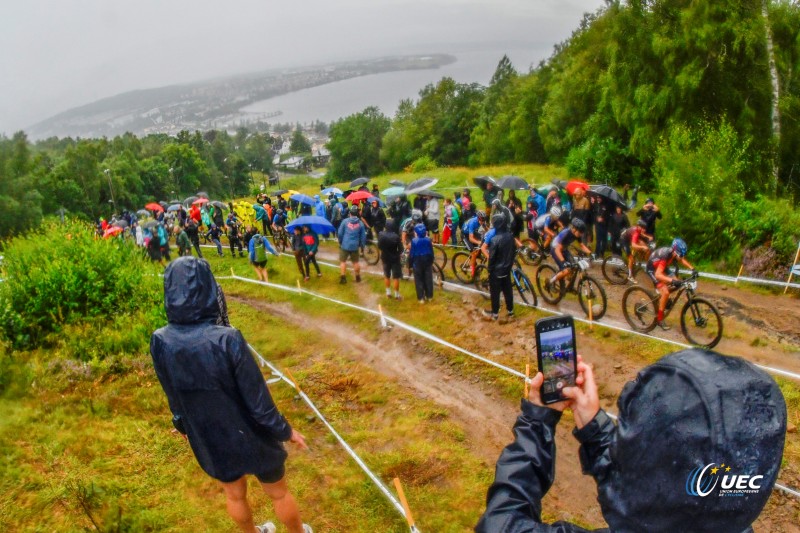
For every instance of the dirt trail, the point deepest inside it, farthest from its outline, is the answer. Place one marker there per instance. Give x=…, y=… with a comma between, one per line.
x=485, y=416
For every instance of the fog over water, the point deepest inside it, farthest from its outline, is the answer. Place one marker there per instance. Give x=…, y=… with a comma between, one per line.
x=60, y=54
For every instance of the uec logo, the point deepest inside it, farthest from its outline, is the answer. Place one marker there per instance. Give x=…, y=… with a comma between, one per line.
x=703, y=480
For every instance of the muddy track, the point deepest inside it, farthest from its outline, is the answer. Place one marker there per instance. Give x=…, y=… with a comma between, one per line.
x=484, y=415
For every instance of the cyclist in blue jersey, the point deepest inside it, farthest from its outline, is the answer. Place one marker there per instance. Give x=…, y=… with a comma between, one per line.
x=473, y=233
x=560, y=249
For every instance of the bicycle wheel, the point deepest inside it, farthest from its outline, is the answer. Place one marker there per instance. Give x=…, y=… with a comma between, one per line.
x=438, y=276
x=482, y=280
x=461, y=267
x=371, y=254
x=525, y=288
x=280, y=244
x=551, y=294
x=615, y=270
x=530, y=254
x=590, y=290
x=640, y=308
x=701, y=323
x=440, y=256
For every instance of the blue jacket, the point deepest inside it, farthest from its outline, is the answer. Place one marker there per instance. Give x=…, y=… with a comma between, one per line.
x=352, y=234
x=420, y=247
x=320, y=208
x=215, y=389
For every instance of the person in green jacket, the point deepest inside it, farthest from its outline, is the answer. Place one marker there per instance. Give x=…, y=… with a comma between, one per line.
x=183, y=242
x=311, y=244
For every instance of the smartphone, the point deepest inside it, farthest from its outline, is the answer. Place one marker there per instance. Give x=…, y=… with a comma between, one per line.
x=557, y=356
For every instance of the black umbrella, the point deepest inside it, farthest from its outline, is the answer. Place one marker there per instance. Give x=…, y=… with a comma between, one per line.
x=163, y=204
x=420, y=185
x=397, y=183
x=431, y=194
x=359, y=181
x=188, y=201
x=202, y=194
x=219, y=204
x=513, y=183
x=150, y=224
x=279, y=192
x=561, y=184
x=608, y=193
x=175, y=207
x=482, y=181
x=120, y=224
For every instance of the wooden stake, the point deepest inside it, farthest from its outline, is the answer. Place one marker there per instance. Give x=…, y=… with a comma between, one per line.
x=383, y=320
x=299, y=289
x=739, y=274
x=527, y=377
x=402, y=495
x=591, y=320
x=296, y=384
x=791, y=272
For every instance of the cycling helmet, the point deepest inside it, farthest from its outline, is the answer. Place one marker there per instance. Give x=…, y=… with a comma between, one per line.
x=578, y=224
x=679, y=247
x=416, y=215
x=481, y=216
x=354, y=210
x=555, y=211
x=641, y=223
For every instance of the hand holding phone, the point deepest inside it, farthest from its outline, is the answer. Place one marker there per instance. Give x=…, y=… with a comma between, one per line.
x=556, y=352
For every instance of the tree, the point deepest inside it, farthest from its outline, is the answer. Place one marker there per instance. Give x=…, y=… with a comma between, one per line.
x=355, y=144
x=300, y=144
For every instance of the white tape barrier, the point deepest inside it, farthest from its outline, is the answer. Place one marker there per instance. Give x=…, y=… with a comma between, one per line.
x=375, y=479
x=427, y=336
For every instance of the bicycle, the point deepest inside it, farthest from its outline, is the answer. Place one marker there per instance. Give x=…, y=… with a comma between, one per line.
x=438, y=273
x=462, y=267
x=371, y=254
x=578, y=281
x=518, y=277
x=533, y=251
x=701, y=322
x=281, y=239
x=615, y=267
x=440, y=256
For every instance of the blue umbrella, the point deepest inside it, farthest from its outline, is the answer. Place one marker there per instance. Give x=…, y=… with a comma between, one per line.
x=334, y=190
x=373, y=198
x=303, y=199
x=393, y=191
x=175, y=207
x=319, y=225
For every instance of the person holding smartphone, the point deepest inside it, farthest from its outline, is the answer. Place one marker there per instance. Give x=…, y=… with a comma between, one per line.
x=687, y=412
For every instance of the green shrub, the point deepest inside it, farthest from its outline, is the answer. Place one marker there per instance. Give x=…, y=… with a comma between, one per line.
x=422, y=164
x=769, y=221
x=604, y=161
x=62, y=274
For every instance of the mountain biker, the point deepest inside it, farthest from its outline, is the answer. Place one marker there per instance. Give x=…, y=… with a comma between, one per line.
x=279, y=220
x=473, y=232
x=407, y=227
x=548, y=225
x=560, y=250
x=657, y=270
x=635, y=239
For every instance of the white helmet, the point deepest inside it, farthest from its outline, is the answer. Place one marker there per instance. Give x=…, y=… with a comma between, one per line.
x=555, y=211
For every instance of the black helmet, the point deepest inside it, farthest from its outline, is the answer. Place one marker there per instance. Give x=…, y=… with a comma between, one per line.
x=641, y=223
x=354, y=209
x=578, y=224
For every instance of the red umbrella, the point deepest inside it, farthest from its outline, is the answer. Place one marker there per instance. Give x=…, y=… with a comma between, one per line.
x=200, y=201
x=110, y=232
x=573, y=185
x=152, y=206
x=359, y=195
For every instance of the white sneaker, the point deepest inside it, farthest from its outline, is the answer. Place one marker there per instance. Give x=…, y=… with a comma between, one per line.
x=267, y=527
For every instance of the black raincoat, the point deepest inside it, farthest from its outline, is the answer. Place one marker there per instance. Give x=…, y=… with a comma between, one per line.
x=215, y=390
x=688, y=410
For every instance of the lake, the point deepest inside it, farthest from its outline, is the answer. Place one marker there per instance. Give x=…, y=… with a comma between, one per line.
x=336, y=100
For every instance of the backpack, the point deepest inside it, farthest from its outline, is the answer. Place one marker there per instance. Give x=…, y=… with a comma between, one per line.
x=260, y=249
x=162, y=236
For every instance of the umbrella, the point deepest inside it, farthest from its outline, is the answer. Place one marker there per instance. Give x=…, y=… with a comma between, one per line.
x=359, y=181
x=397, y=183
x=113, y=230
x=561, y=184
x=220, y=205
x=202, y=194
x=200, y=201
x=175, y=207
x=634, y=198
x=278, y=192
x=143, y=212
x=317, y=224
x=513, y=183
x=574, y=185
x=163, y=204
x=152, y=206
x=303, y=199
x=608, y=193
x=432, y=194
x=329, y=190
x=359, y=195
x=482, y=181
x=393, y=191
x=421, y=184
x=190, y=200
x=120, y=224
x=376, y=199
x=150, y=224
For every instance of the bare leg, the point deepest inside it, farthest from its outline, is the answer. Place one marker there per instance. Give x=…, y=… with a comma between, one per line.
x=342, y=268
x=285, y=505
x=238, y=508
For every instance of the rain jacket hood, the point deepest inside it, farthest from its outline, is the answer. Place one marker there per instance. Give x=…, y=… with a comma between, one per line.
x=689, y=410
x=190, y=292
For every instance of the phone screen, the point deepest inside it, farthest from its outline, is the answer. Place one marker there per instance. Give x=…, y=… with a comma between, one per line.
x=557, y=357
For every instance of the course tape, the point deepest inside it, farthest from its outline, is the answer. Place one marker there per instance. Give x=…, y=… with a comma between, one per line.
x=375, y=479
x=416, y=331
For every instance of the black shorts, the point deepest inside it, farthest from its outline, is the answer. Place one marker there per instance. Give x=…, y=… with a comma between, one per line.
x=259, y=264
x=272, y=476
x=625, y=245
x=561, y=264
x=393, y=270
x=432, y=225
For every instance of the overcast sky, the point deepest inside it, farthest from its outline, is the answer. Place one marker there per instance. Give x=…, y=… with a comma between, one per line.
x=56, y=54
